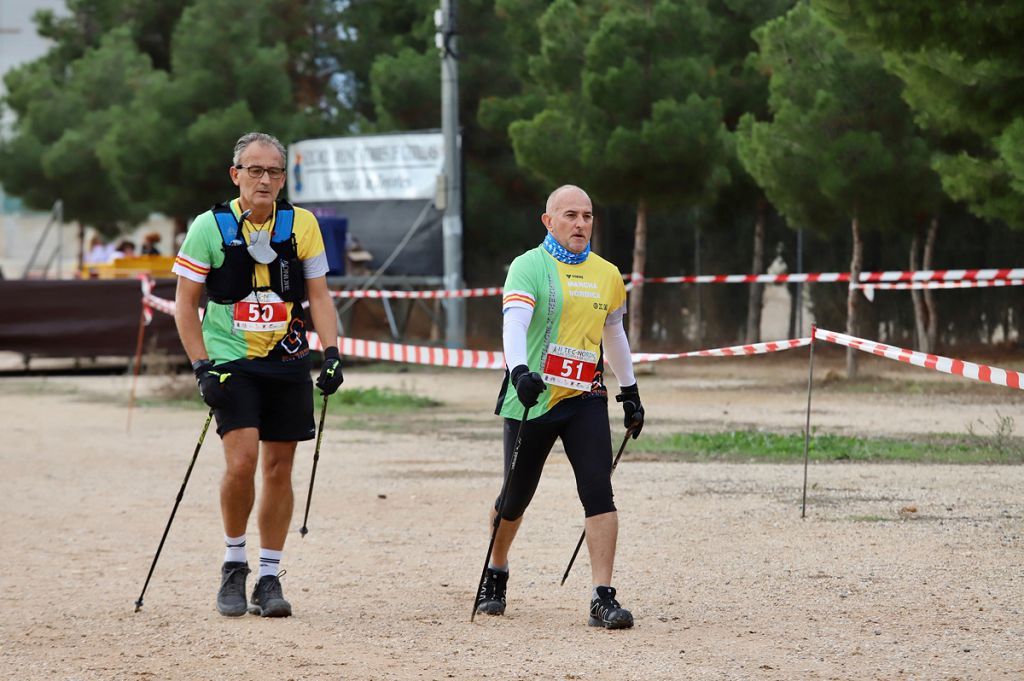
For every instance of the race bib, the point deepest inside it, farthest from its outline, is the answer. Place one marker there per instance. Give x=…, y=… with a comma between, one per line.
x=260, y=314
x=570, y=367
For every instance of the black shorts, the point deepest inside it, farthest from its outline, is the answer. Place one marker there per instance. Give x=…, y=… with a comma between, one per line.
x=281, y=408
x=582, y=424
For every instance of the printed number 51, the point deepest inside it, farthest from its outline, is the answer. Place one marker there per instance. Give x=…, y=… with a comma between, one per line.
x=567, y=368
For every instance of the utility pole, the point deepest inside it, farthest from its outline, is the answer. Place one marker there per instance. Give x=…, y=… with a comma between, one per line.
x=455, y=319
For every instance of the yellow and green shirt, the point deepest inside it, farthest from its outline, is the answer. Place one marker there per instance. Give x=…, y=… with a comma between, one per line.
x=570, y=304
x=228, y=334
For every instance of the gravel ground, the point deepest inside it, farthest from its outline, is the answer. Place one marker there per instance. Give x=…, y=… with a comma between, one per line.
x=724, y=577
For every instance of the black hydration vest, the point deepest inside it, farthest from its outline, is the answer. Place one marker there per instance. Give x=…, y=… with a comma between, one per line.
x=236, y=277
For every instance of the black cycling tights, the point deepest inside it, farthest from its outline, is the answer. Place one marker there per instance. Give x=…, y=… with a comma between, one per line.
x=582, y=423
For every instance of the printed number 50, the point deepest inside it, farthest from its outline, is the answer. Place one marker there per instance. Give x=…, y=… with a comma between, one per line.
x=568, y=365
x=256, y=312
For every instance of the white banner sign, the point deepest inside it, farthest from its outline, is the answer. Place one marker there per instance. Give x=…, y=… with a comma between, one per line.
x=368, y=168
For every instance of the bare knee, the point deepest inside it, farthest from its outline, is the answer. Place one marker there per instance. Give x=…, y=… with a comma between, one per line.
x=277, y=471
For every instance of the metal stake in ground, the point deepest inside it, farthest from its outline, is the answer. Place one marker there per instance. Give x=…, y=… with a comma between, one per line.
x=316, y=457
x=501, y=508
x=583, y=534
x=181, y=493
x=807, y=427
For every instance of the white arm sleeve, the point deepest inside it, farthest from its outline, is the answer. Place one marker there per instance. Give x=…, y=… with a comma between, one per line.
x=616, y=348
x=513, y=335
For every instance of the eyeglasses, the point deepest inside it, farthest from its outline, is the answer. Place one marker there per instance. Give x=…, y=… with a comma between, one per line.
x=256, y=172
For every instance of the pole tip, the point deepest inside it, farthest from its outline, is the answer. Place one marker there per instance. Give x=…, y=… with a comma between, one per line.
x=303, y=531
x=138, y=605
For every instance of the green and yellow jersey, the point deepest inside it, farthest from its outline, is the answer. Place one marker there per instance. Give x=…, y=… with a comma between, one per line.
x=570, y=305
x=262, y=326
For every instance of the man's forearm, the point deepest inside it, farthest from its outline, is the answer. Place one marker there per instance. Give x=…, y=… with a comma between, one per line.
x=325, y=319
x=190, y=331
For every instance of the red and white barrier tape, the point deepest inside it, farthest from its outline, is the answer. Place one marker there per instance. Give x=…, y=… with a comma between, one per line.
x=428, y=294
x=865, y=277
x=965, y=283
x=732, y=351
x=413, y=354
x=487, y=359
x=956, y=367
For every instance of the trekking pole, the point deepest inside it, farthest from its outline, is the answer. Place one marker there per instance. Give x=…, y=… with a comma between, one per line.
x=181, y=493
x=583, y=534
x=316, y=457
x=501, y=508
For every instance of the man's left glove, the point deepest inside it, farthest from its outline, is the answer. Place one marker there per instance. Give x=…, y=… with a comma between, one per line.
x=629, y=396
x=330, y=378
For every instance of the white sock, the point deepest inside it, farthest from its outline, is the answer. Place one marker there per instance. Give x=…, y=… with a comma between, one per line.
x=270, y=562
x=593, y=592
x=235, y=552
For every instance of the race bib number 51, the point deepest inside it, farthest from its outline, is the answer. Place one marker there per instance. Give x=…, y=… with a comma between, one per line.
x=570, y=367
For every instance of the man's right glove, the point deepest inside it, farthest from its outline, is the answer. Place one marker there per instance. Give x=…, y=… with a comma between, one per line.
x=212, y=384
x=629, y=396
x=528, y=385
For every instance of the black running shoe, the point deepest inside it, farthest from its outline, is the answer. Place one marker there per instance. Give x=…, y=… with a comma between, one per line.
x=606, y=612
x=268, y=599
x=231, y=597
x=491, y=599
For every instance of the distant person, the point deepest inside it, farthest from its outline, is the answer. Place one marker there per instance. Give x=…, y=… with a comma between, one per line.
x=258, y=258
x=125, y=249
x=150, y=244
x=563, y=308
x=99, y=251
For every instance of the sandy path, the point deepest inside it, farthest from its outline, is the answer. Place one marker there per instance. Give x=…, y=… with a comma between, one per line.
x=724, y=577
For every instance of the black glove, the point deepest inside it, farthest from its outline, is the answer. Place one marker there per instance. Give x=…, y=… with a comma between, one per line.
x=330, y=378
x=629, y=396
x=528, y=385
x=212, y=384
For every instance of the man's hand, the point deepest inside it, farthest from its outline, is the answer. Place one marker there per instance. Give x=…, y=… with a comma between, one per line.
x=213, y=386
x=629, y=396
x=330, y=378
x=528, y=385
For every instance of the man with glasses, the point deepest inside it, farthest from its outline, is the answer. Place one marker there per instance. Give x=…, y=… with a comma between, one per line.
x=258, y=259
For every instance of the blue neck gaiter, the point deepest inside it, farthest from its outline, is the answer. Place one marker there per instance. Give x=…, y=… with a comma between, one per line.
x=563, y=254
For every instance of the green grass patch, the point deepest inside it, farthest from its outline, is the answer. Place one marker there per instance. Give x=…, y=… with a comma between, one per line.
x=373, y=399
x=345, y=402
x=752, y=445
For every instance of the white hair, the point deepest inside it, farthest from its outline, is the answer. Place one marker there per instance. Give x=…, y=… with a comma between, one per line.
x=257, y=138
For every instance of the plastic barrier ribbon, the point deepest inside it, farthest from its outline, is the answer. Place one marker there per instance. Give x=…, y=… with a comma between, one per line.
x=956, y=367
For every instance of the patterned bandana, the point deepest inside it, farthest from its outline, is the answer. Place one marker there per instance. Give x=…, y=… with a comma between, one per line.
x=563, y=254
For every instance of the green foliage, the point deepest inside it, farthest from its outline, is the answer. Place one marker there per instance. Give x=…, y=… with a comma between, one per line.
x=961, y=65
x=60, y=118
x=138, y=105
x=842, y=143
x=628, y=105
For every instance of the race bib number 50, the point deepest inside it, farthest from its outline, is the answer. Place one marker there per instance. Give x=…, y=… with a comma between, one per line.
x=570, y=367
x=260, y=316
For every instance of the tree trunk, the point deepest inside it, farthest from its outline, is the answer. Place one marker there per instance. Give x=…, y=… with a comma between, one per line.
x=636, y=296
x=852, y=298
x=755, y=298
x=917, y=296
x=929, y=294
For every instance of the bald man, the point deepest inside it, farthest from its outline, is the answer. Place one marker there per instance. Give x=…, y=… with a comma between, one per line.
x=562, y=308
